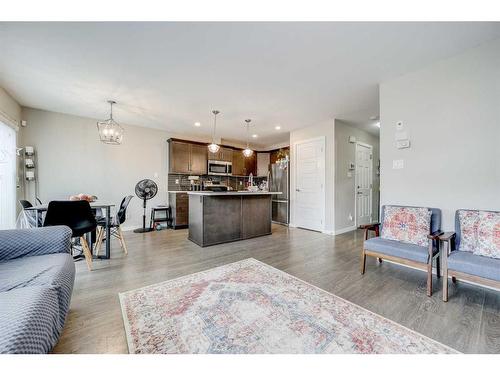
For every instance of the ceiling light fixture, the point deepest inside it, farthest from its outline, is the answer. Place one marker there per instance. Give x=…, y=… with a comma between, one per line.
x=254, y=135
x=110, y=132
x=247, y=152
x=214, y=147
x=197, y=124
x=277, y=127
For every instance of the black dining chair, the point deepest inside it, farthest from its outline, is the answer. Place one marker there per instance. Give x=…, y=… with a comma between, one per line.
x=116, y=222
x=78, y=216
x=25, y=204
x=38, y=201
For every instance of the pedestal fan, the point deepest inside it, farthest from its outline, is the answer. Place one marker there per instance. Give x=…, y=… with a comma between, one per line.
x=145, y=190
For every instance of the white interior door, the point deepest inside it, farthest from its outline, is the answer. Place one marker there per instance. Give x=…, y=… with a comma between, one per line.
x=309, y=212
x=364, y=183
x=7, y=177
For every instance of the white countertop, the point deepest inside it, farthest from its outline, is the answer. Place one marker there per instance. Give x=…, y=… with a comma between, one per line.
x=211, y=193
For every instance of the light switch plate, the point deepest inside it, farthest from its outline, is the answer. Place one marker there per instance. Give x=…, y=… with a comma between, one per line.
x=404, y=143
x=398, y=164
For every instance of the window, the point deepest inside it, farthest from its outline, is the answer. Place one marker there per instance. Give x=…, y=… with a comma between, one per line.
x=7, y=177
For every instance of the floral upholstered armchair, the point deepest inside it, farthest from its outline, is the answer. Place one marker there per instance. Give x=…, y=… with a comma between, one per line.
x=405, y=235
x=472, y=252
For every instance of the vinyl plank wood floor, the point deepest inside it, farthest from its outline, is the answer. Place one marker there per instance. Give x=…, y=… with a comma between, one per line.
x=469, y=322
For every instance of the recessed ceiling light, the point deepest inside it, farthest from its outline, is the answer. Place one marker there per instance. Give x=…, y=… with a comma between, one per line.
x=277, y=127
x=254, y=135
x=377, y=124
x=197, y=124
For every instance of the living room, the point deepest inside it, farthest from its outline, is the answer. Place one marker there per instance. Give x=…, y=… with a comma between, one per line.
x=238, y=188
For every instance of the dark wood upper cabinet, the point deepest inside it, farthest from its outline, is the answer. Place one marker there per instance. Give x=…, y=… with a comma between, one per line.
x=224, y=154
x=187, y=158
x=179, y=157
x=199, y=159
x=191, y=158
x=238, y=163
x=251, y=165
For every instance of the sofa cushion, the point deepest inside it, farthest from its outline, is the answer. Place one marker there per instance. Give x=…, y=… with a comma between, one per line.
x=56, y=271
x=21, y=243
x=488, y=234
x=398, y=249
x=407, y=224
x=476, y=265
x=29, y=320
x=468, y=221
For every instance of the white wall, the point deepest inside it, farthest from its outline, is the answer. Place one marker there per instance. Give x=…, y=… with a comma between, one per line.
x=325, y=129
x=9, y=108
x=451, y=111
x=72, y=160
x=345, y=190
x=10, y=114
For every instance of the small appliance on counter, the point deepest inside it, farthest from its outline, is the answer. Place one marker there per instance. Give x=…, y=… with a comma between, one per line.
x=194, y=183
x=214, y=185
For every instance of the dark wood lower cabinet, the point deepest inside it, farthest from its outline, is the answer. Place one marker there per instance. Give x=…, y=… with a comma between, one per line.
x=223, y=218
x=179, y=204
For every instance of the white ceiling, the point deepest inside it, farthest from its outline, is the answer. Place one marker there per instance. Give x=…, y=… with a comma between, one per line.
x=170, y=75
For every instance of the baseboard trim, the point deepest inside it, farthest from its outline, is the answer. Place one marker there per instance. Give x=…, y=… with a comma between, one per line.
x=345, y=230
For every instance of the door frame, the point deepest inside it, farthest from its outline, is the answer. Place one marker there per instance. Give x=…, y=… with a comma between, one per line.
x=323, y=179
x=363, y=144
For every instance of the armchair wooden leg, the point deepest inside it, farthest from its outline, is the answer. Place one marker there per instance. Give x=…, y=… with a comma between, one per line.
x=86, y=252
x=438, y=267
x=122, y=240
x=445, y=285
x=363, y=261
x=429, y=278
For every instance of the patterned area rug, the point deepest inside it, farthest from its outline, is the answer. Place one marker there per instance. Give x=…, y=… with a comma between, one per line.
x=250, y=307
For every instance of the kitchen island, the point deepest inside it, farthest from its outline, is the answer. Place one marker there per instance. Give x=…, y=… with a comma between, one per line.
x=218, y=217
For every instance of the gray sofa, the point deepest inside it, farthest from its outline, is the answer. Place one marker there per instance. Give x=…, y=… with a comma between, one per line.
x=463, y=265
x=36, y=281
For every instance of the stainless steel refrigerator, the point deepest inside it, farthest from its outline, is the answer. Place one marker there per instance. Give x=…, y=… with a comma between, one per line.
x=280, y=181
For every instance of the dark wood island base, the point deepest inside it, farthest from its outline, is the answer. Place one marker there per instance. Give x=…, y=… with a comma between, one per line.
x=218, y=217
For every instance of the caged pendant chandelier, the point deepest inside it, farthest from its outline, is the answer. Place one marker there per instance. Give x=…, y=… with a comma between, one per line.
x=110, y=132
x=214, y=147
x=247, y=152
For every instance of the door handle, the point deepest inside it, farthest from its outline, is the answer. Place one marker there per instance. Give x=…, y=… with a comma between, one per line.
x=360, y=192
x=297, y=189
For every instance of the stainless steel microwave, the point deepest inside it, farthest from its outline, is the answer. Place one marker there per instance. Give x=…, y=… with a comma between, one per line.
x=220, y=168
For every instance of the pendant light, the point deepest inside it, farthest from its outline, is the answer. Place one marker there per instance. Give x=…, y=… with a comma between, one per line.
x=214, y=147
x=247, y=151
x=110, y=132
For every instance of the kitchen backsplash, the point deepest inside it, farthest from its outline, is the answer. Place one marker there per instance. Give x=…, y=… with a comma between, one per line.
x=180, y=182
